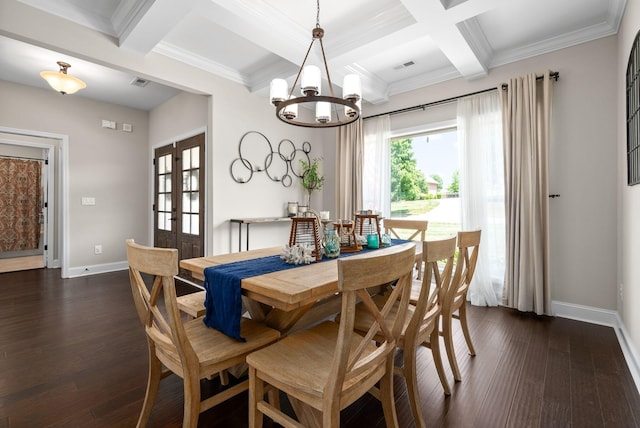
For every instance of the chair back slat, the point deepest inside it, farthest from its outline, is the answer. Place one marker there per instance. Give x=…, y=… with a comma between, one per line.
x=158, y=308
x=436, y=283
x=355, y=275
x=468, y=247
x=414, y=230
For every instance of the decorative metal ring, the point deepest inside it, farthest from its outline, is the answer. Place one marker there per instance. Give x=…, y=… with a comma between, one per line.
x=287, y=153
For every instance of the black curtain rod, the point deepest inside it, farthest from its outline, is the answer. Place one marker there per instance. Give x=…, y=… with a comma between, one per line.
x=554, y=75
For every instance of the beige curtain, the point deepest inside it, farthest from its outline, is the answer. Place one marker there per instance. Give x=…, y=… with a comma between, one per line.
x=526, y=112
x=349, y=153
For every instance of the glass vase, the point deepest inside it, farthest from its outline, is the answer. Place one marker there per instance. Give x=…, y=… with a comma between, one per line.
x=331, y=244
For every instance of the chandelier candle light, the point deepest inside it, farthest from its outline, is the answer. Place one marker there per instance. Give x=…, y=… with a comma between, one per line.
x=327, y=107
x=61, y=81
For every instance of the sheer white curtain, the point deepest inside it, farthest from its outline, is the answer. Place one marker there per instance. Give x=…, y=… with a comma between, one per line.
x=482, y=191
x=376, y=186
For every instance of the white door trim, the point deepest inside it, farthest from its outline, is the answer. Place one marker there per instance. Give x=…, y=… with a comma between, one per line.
x=60, y=206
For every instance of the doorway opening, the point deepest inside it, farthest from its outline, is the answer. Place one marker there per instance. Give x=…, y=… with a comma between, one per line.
x=35, y=159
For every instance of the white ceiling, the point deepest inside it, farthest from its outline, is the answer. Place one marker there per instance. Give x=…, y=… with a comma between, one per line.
x=253, y=41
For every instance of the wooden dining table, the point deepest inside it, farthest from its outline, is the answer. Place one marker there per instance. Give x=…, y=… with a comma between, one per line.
x=287, y=299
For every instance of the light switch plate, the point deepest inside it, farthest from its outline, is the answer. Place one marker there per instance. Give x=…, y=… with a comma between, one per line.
x=108, y=124
x=86, y=200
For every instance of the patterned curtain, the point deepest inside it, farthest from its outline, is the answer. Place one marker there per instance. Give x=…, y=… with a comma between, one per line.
x=20, y=204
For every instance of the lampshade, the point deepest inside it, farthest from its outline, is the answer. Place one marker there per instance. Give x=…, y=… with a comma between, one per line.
x=61, y=81
x=310, y=80
x=278, y=91
x=351, y=87
x=323, y=112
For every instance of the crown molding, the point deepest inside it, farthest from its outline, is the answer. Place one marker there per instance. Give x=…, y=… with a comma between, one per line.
x=597, y=31
x=198, y=61
x=128, y=14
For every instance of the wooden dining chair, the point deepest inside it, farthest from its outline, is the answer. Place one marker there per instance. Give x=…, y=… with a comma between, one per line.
x=413, y=230
x=421, y=327
x=327, y=367
x=455, y=306
x=189, y=349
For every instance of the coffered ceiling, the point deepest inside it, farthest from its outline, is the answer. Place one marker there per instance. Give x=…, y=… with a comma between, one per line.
x=394, y=45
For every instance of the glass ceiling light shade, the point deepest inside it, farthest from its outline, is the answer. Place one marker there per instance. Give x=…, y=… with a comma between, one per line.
x=61, y=81
x=330, y=110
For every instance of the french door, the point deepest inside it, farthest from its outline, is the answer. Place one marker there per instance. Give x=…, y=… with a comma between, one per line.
x=179, y=197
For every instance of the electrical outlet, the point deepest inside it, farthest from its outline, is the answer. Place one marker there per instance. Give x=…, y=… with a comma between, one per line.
x=97, y=249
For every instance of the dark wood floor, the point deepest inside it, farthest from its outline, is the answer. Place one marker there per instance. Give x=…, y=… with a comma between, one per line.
x=73, y=354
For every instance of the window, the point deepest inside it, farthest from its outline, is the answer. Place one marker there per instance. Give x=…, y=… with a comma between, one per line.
x=633, y=114
x=424, y=179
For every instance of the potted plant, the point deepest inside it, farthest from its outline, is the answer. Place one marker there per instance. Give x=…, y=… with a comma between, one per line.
x=311, y=178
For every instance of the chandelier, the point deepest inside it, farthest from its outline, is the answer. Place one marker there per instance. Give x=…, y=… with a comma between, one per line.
x=330, y=110
x=61, y=81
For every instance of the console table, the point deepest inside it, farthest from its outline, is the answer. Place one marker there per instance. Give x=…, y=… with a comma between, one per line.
x=249, y=221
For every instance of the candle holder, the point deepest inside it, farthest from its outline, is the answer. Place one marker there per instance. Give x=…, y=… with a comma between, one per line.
x=292, y=209
x=348, y=241
x=306, y=230
x=368, y=224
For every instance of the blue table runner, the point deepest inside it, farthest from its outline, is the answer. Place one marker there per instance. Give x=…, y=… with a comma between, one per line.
x=222, y=283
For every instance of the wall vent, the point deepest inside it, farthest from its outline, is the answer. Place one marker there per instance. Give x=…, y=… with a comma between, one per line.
x=139, y=81
x=404, y=65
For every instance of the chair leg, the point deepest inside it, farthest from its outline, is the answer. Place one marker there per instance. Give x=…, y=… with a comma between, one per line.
x=153, y=383
x=462, y=312
x=410, y=377
x=256, y=394
x=434, y=343
x=191, y=400
x=447, y=334
x=224, y=378
x=386, y=395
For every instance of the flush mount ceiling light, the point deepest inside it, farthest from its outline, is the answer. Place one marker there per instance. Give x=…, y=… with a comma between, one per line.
x=330, y=110
x=61, y=81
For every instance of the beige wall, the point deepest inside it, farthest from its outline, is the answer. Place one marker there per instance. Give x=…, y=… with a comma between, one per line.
x=582, y=162
x=629, y=197
x=109, y=165
x=177, y=117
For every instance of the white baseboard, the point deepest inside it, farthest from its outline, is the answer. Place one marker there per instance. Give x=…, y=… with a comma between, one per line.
x=95, y=269
x=603, y=317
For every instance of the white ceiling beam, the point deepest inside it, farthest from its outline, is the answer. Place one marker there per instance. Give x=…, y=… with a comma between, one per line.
x=470, y=9
x=247, y=18
x=456, y=43
x=152, y=21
